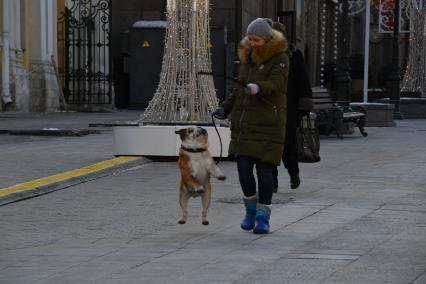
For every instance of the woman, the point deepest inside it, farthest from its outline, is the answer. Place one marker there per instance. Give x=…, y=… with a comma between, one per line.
x=258, y=115
x=299, y=95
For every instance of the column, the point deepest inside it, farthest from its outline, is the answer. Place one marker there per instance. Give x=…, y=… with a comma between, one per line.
x=6, y=98
x=43, y=80
x=19, y=84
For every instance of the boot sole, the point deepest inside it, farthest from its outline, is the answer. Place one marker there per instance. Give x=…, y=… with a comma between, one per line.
x=260, y=232
x=246, y=228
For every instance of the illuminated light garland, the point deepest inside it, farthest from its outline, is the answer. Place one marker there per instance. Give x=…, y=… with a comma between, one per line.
x=386, y=15
x=328, y=41
x=356, y=7
x=335, y=36
x=183, y=96
x=415, y=75
x=323, y=15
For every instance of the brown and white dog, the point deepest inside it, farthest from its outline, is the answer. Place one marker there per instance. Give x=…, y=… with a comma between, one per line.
x=196, y=166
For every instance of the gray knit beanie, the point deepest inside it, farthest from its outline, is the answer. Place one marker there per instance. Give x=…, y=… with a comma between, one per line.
x=260, y=27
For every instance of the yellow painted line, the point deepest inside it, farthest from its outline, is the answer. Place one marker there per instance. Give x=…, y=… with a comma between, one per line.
x=66, y=175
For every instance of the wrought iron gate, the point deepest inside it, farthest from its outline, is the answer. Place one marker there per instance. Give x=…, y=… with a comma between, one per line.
x=84, y=44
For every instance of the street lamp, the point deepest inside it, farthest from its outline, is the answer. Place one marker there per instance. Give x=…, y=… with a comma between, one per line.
x=394, y=76
x=343, y=80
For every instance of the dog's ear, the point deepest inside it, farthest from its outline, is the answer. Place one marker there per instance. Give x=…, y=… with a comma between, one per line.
x=181, y=133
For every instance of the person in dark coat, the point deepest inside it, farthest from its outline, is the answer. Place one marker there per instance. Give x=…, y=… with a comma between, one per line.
x=257, y=112
x=298, y=93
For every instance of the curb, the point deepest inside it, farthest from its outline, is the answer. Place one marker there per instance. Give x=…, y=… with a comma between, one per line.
x=54, y=186
x=50, y=132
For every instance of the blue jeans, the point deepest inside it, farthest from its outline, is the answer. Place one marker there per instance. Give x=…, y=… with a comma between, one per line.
x=264, y=178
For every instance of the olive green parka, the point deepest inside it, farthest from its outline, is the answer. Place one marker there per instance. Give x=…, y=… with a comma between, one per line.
x=258, y=121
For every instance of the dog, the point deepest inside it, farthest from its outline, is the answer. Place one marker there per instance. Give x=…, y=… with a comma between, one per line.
x=196, y=167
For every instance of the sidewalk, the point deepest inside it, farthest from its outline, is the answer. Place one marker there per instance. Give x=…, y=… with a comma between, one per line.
x=64, y=120
x=33, y=155
x=358, y=217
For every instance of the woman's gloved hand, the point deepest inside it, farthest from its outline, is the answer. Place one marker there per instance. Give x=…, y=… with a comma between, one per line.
x=252, y=89
x=219, y=113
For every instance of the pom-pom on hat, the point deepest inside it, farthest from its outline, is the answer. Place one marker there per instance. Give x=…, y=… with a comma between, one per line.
x=260, y=27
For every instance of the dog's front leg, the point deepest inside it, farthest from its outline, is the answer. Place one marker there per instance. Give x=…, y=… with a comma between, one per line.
x=205, y=201
x=183, y=201
x=215, y=171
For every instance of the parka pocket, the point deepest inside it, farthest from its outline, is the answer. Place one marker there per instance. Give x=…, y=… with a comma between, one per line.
x=262, y=113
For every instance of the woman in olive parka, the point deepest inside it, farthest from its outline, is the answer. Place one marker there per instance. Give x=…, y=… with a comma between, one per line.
x=258, y=113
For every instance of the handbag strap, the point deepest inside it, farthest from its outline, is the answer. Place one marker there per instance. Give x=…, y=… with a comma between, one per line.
x=308, y=122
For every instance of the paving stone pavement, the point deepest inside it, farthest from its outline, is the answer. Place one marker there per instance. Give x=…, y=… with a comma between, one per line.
x=28, y=157
x=358, y=217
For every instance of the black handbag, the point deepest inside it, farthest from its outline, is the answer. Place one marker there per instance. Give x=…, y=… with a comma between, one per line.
x=308, y=143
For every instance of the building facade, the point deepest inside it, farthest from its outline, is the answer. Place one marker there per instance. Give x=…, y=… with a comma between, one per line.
x=28, y=49
x=86, y=41
x=313, y=25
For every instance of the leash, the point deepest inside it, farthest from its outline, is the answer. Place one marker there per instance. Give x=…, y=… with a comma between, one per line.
x=214, y=124
x=242, y=84
x=220, y=140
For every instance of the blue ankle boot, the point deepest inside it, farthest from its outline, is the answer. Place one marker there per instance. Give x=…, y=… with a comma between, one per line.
x=247, y=223
x=263, y=213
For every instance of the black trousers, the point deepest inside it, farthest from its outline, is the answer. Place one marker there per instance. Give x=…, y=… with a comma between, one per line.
x=289, y=157
x=264, y=178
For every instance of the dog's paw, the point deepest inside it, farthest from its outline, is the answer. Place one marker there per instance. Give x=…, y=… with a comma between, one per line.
x=221, y=177
x=181, y=221
x=205, y=222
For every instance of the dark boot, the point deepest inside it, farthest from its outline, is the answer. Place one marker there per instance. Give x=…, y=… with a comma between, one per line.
x=275, y=189
x=294, y=181
x=263, y=213
x=247, y=223
x=275, y=179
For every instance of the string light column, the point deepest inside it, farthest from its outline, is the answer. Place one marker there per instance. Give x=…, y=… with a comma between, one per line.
x=415, y=75
x=394, y=76
x=343, y=77
x=323, y=17
x=184, y=96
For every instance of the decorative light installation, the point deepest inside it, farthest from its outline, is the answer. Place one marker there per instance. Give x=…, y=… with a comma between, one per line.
x=386, y=17
x=183, y=95
x=328, y=38
x=415, y=75
x=356, y=7
x=323, y=27
x=335, y=35
x=385, y=11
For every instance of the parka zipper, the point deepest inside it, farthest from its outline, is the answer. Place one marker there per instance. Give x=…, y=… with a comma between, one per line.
x=243, y=110
x=274, y=107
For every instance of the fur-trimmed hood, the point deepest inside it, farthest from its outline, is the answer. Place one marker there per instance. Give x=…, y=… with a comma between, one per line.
x=276, y=45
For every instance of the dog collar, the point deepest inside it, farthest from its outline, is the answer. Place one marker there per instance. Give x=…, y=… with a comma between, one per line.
x=196, y=150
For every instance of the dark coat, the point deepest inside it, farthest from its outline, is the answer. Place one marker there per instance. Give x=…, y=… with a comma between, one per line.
x=258, y=121
x=298, y=87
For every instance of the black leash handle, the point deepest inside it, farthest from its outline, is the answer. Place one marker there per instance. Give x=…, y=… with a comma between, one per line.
x=220, y=139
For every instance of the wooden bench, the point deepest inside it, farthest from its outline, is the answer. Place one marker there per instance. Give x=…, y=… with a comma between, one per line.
x=331, y=117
